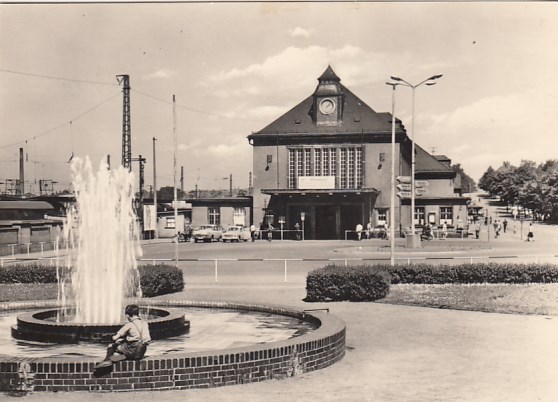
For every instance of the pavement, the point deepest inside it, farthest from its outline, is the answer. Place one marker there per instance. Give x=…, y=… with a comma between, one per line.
x=394, y=353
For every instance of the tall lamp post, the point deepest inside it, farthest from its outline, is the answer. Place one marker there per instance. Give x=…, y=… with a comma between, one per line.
x=415, y=242
x=392, y=198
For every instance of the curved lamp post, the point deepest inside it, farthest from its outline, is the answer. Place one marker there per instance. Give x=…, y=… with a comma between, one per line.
x=401, y=81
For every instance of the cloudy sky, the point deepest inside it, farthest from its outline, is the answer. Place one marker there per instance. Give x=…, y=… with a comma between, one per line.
x=234, y=68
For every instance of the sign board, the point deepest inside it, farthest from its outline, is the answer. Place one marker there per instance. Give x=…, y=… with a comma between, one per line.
x=149, y=217
x=420, y=191
x=182, y=205
x=316, y=182
x=404, y=186
x=302, y=216
x=404, y=194
x=404, y=179
x=421, y=183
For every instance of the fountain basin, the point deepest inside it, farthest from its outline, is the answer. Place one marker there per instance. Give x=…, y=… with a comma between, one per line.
x=184, y=370
x=41, y=326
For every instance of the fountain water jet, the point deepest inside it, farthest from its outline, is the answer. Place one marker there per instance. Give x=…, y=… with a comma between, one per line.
x=103, y=230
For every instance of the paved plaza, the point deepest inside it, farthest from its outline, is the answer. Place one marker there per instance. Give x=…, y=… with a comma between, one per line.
x=394, y=353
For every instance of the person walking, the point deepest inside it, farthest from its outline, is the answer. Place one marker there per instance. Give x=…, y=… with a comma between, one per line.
x=505, y=223
x=297, y=229
x=444, y=231
x=269, y=232
x=358, y=231
x=477, y=230
x=253, y=232
x=530, y=235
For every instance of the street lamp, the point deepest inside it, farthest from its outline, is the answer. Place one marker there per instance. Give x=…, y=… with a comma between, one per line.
x=392, y=198
x=428, y=81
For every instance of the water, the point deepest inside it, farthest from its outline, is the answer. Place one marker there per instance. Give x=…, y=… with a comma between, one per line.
x=210, y=329
x=102, y=230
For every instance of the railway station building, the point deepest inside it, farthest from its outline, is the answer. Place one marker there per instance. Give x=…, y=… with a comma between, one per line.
x=327, y=162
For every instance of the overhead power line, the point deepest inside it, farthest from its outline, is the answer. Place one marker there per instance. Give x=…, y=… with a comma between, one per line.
x=195, y=110
x=61, y=125
x=58, y=78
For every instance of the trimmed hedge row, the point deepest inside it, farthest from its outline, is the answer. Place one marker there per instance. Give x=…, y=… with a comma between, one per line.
x=155, y=279
x=337, y=283
x=371, y=282
x=491, y=272
x=160, y=280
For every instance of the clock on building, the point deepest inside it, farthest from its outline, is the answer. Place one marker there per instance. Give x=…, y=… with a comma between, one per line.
x=327, y=106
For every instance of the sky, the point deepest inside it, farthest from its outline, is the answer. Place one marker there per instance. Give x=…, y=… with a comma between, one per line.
x=236, y=67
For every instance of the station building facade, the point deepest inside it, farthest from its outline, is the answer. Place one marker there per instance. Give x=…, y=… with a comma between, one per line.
x=327, y=161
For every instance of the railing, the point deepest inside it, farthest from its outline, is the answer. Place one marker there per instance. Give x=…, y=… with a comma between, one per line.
x=287, y=265
x=33, y=247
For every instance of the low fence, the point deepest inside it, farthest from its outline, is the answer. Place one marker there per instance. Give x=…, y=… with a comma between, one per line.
x=280, y=269
x=29, y=248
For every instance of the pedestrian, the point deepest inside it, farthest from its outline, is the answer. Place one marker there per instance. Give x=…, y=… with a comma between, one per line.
x=477, y=230
x=130, y=342
x=386, y=231
x=505, y=223
x=297, y=228
x=530, y=235
x=269, y=232
x=358, y=230
x=444, y=231
x=253, y=232
x=368, y=230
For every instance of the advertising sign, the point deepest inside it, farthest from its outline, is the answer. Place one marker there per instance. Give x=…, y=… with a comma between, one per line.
x=149, y=217
x=316, y=182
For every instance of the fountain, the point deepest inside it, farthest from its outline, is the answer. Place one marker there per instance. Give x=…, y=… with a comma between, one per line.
x=103, y=234
x=102, y=229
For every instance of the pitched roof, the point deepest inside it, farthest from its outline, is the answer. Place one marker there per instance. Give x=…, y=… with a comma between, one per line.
x=25, y=204
x=358, y=117
x=429, y=163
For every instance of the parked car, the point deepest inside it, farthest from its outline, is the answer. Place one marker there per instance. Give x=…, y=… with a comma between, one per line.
x=207, y=233
x=236, y=233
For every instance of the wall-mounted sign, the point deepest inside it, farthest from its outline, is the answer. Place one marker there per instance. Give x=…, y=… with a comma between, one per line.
x=149, y=217
x=316, y=182
x=421, y=183
x=404, y=179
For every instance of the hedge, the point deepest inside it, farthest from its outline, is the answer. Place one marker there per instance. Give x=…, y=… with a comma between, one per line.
x=491, y=272
x=369, y=283
x=155, y=279
x=356, y=283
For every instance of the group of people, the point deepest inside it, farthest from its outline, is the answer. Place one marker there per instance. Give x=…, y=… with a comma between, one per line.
x=383, y=232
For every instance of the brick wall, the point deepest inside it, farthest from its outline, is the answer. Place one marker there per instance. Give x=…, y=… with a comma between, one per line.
x=275, y=360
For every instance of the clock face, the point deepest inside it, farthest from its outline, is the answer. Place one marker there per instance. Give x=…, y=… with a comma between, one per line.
x=327, y=106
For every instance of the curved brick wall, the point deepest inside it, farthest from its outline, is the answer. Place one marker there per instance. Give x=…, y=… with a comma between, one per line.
x=312, y=351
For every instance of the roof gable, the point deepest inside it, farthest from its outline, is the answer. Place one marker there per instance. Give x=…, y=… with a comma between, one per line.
x=358, y=117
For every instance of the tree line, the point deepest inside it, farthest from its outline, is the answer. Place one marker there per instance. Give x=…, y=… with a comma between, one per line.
x=530, y=186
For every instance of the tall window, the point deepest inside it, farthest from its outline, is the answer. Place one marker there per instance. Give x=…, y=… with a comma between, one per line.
x=382, y=216
x=446, y=215
x=292, y=168
x=343, y=168
x=344, y=163
x=419, y=216
x=317, y=162
x=239, y=216
x=213, y=216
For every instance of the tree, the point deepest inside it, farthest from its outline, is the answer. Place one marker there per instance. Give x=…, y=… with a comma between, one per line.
x=486, y=182
x=467, y=183
x=167, y=193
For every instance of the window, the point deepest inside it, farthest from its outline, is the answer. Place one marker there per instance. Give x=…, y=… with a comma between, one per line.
x=213, y=216
x=317, y=162
x=419, y=216
x=170, y=223
x=382, y=216
x=344, y=163
x=446, y=215
x=292, y=168
x=239, y=216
